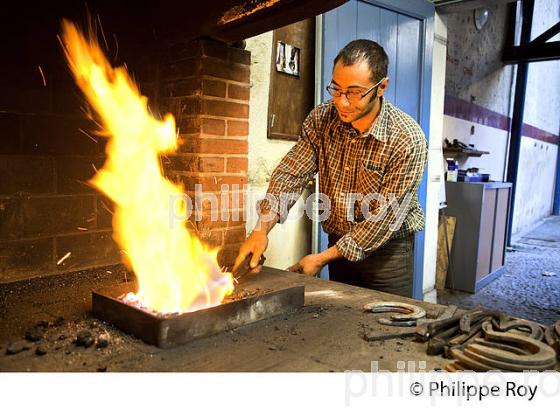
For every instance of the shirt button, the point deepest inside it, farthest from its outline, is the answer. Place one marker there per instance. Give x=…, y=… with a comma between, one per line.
x=347, y=168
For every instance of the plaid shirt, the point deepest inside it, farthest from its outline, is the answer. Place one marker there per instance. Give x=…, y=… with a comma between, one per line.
x=371, y=179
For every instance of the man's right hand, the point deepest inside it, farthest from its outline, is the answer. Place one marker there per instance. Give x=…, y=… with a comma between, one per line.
x=255, y=244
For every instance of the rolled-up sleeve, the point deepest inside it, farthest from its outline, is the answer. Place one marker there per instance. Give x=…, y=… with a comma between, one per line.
x=293, y=172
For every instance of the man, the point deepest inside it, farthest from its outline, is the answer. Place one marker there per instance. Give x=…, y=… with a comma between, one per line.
x=370, y=157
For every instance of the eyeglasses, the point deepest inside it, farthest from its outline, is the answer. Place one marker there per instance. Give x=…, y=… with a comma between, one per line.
x=352, y=95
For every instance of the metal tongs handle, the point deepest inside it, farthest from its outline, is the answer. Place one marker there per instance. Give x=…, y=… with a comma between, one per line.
x=244, y=268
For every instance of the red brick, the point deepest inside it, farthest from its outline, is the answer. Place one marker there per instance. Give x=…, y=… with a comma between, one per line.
x=225, y=109
x=237, y=55
x=214, y=48
x=180, y=107
x=206, y=205
x=211, y=183
x=196, y=48
x=189, y=106
x=189, y=125
x=214, y=88
x=213, y=238
x=180, y=69
x=188, y=144
x=234, y=236
x=192, y=163
x=223, y=146
x=238, y=92
x=222, y=69
x=211, y=164
x=183, y=87
x=205, y=222
x=181, y=50
x=212, y=146
x=237, y=128
x=237, y=165
x=213, y=126
x=227, y=255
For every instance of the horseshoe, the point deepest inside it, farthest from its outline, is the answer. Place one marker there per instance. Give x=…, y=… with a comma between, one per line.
x=409, y=312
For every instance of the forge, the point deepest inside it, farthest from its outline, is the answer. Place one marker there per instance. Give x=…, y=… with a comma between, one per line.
x=171, y=330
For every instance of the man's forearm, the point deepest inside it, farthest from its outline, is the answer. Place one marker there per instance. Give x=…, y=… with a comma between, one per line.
x=266, y=222
x=330, y=254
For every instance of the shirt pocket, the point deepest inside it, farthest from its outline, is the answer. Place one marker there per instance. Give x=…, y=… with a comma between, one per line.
x=370, y=177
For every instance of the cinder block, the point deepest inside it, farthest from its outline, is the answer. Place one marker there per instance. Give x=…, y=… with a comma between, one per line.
x=25, y=259
x=89, y=249
x=26, y=174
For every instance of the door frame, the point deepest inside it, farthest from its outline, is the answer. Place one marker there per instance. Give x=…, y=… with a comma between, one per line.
x=425, y=12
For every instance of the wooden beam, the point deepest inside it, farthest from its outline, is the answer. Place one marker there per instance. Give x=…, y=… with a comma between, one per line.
x=280, y=13
x=532, y=52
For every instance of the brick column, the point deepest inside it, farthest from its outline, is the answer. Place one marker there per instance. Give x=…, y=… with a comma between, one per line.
x=205, y=85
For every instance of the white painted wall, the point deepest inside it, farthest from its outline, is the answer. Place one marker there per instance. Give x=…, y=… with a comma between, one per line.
x=535, y=183
x=435, y=158
x=484, y=138
x=290, y=241
x=475, y=73
x=537, y=160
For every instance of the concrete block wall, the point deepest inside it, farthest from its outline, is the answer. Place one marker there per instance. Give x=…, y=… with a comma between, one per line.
x=49, y=149
x=48, y=152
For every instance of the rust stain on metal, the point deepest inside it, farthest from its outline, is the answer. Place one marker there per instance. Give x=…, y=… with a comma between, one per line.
x=241, y=11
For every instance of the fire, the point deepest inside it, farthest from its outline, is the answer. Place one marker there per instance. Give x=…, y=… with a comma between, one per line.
x=176, y=272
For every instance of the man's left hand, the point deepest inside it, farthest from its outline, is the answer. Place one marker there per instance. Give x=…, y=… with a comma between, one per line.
x=309, y=265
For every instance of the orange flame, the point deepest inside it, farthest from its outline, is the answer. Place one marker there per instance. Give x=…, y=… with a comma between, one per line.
x=175, y=271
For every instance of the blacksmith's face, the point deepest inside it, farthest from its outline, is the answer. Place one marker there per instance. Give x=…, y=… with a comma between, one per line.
x=355, y=78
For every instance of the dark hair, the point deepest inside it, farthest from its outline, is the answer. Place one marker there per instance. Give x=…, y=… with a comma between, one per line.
x=368, y=51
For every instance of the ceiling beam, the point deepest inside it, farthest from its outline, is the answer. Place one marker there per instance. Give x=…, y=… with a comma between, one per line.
x=532, y=53
x=548, y=34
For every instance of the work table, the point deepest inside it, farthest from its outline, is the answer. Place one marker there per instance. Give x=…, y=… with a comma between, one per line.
x=324, y=335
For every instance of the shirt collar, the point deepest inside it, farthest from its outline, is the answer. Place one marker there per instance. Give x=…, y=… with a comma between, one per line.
x=377, y=130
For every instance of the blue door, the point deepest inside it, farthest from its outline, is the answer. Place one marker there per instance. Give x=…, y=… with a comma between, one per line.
x=404, y=29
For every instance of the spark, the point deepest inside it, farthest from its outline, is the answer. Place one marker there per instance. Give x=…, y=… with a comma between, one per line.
x=64, y=258
x=117, y=45
x=42, y=76
x=106, y=207
x=102, y=32
x=87, y=135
